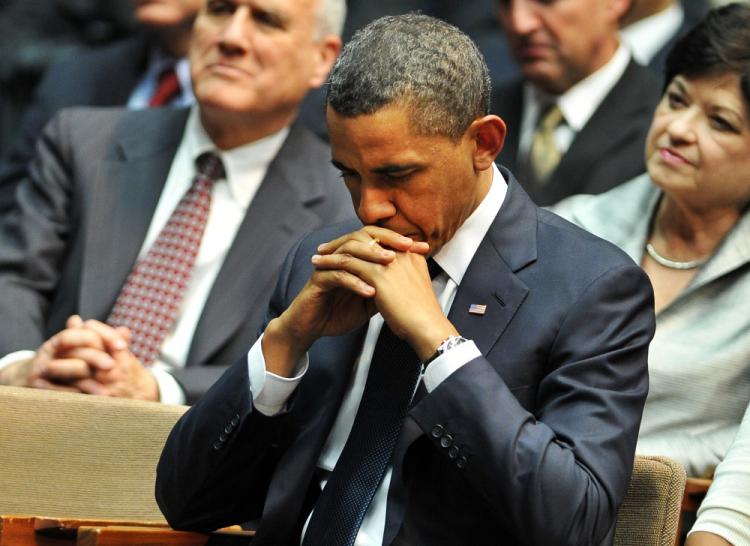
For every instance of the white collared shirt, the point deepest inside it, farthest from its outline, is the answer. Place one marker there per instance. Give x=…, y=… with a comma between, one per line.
x=578, y=103
x=158, y=61
x=270, y=392
x=645, y=38
x=245, y=168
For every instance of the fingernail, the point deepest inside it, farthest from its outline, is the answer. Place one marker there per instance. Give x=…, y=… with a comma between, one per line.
x=387, y=253
x=315, y=259
x=322, y=247
x=120, y=344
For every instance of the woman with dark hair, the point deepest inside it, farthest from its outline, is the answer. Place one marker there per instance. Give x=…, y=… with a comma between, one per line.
x=687, y=222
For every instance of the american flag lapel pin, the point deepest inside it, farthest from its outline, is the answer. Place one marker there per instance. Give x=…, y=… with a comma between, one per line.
x=477, y=309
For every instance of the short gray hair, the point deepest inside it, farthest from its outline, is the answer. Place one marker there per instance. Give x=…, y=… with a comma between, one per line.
x=422, y=62
x=331, y=17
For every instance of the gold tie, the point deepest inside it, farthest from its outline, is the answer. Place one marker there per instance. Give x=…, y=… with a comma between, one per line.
x=544, y=154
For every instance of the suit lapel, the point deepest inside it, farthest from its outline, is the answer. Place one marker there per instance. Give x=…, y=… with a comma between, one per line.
x=122, y=202
x=278, y=213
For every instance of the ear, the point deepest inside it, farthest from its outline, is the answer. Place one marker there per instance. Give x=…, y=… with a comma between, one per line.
x=488, y=136
x=326, y=52
x=618, y=10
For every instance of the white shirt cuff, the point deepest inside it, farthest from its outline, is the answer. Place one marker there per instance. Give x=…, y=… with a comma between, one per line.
x=16, y=357
x=270, y=391
x=448, y=362
x=170, y=391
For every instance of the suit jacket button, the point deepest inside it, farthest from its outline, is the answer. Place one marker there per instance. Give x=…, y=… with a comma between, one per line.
x=235, y=420
x=228, y=429
x=462, y=462
x=453, y=452
x=218, y=445
x=437, y=431
x=223, y=437
x=446, y=441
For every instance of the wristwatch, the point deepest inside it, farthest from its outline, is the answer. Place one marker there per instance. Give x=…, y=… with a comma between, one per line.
x=448, y=343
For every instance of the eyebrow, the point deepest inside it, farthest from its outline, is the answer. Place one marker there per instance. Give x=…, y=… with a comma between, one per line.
x=385, y=169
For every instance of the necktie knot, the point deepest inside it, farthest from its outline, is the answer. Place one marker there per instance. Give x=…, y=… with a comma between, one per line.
x=433, y=267
x=209, y=165
x=167, y=88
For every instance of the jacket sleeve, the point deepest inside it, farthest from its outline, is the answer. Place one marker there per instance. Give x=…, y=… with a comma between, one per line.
x=559, y=474
x=34, y=241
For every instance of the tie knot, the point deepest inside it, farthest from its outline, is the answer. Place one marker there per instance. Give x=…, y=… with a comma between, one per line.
x=551, y=118
x=167, y=87
x=433, y=267
x=210, y=166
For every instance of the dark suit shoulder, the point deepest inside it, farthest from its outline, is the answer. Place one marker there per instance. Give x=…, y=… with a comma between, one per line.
x=574, y=252
x=101, y=76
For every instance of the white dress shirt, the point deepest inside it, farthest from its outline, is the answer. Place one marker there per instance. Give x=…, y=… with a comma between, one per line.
x=245, y=168
x=645, y=38
x=270, y=391
x=577, y=104
x=159, y=61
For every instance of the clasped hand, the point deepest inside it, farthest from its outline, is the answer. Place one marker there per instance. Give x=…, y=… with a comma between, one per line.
x=89, y=357
x=357, y=275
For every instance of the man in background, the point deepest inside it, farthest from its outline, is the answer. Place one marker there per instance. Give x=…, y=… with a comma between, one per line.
x=172, y=276
x=149, y=69
x=579, y=116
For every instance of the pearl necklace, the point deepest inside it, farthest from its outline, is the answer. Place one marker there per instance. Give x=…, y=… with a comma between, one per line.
x=671, y=264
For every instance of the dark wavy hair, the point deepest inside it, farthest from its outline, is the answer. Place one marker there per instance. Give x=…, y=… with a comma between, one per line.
x=719, y=43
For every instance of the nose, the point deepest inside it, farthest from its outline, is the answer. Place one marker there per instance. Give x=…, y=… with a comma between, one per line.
x=518, y=16
x=234, y=34
x=375, y=205
x=681, y=127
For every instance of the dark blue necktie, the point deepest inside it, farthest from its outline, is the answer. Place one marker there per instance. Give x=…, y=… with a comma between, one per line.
x=341, y=507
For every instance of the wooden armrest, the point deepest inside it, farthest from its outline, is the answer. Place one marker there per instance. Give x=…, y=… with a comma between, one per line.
x=24, y=530
x=695, y=491
x=154, y=536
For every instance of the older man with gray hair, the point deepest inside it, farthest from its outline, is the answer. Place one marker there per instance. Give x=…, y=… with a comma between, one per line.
x=119, y=275
x=461, y=367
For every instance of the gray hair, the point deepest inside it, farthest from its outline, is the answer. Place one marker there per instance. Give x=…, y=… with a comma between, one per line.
x=417, y=60
x=331, y=17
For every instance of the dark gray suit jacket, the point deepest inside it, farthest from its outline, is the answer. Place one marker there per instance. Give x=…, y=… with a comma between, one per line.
x=85, y=209
x=95, y=77
x=547, y=419
x=608, y=151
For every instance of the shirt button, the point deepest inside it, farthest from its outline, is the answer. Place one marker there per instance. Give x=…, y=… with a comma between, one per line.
x=437, y=431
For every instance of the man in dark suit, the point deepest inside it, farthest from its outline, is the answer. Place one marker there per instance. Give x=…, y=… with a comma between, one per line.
x=572, y=66
x=125, y=73
x=651, y=28
x=497, y=402
x=101, y=192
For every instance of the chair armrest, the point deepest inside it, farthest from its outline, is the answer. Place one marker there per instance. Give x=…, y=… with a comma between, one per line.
x=695, y=492
x=148, y=536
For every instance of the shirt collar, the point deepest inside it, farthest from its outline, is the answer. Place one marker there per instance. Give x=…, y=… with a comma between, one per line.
x=456, y=255
x=646, y=37
x=580, y=102
x=238, y=161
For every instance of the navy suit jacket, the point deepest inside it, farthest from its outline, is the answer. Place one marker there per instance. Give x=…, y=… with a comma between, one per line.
x=609, y=149
x=546, y=419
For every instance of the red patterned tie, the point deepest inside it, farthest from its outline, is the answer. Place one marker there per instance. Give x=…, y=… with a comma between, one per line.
x=167, y=88
x=150, y=299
